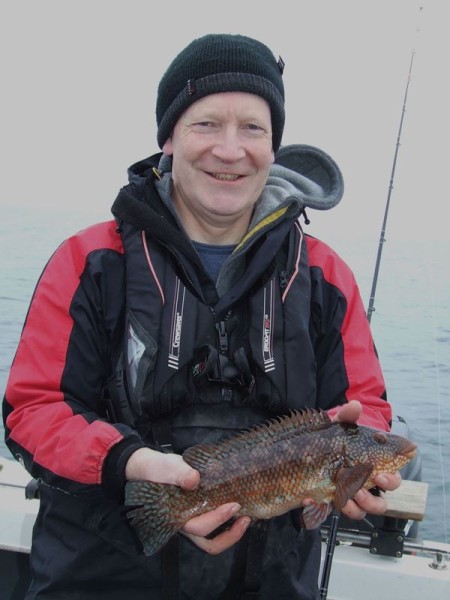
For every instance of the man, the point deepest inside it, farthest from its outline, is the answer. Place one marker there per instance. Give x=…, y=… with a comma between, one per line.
x=202, y=310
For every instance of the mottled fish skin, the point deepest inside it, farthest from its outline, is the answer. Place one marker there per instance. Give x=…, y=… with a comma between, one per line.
x=270, y=470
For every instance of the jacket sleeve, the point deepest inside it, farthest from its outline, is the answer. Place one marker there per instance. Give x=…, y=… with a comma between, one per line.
x=51, y=406
x=347, y=362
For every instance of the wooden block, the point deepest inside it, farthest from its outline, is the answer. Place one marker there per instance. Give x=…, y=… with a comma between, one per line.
x=408, y=501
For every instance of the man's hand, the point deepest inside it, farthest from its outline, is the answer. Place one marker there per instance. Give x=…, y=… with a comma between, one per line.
x=159, y=467
x=199, y=527
x=364, y=502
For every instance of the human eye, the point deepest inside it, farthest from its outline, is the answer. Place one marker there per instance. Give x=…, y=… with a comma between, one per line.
x=254, y=129
x=204, y=126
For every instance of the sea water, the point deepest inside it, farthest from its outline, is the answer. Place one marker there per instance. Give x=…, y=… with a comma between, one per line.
x=411, y=327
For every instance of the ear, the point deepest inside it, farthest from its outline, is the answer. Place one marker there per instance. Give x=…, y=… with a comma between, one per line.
x=168, y=147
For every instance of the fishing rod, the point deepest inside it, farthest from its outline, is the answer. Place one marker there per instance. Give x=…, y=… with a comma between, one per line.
x=331, y=542
x=329, y=554
x=382, y=240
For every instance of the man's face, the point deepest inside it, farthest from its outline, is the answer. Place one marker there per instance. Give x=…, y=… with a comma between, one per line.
x=222, y=152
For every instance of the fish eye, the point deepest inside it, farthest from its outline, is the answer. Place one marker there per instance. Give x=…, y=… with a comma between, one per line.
x=380, y=438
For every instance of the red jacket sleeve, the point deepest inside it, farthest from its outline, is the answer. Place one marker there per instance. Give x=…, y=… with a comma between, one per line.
x=53, y=428
x=357, y=353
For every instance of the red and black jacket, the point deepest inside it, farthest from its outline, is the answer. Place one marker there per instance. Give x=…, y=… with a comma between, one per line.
x=297, y=292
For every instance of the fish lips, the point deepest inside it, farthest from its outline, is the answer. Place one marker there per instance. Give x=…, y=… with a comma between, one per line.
x=410, y=450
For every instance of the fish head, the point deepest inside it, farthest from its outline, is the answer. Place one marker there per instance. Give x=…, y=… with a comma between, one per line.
x=387, y=452
x=364, y=453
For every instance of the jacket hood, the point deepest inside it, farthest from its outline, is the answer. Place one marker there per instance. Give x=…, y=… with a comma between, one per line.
x=307, y=173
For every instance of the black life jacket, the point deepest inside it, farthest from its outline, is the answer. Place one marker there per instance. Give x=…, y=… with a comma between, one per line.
x=206, y=372
x=189, y=372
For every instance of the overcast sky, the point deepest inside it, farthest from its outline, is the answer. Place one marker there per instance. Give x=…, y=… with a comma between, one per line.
x=79, y=83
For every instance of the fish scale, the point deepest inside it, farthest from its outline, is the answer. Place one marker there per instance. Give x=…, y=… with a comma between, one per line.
x=269, y=470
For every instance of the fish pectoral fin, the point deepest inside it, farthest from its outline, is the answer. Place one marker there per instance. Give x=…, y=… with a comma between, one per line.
x=314, y=515
x=348, y=481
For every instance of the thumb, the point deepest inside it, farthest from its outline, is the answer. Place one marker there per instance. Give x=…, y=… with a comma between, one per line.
x=159, y=467
x=348, y=413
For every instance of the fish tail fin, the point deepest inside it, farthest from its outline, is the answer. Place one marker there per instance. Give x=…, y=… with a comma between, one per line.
x=151, y=514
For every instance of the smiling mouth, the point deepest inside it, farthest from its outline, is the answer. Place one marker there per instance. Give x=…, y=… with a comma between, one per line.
x=225, y=176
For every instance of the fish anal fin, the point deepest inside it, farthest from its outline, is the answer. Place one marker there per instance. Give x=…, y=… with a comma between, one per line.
x=313, y=515
x=348, y=481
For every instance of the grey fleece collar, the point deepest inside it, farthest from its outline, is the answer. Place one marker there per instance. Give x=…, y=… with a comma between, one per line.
x=309, y=174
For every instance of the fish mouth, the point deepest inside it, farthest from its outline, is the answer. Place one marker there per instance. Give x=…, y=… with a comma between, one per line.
x=409, y=450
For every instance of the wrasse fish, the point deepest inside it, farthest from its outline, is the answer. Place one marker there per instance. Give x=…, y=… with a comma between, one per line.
x=270, y=470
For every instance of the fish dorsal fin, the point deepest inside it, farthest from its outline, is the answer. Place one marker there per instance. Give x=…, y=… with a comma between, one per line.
x=348, y=481
x=277, y=429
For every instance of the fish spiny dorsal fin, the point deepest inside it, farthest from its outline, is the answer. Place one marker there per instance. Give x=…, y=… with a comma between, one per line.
x=267, y=433
x=307, y=419
x=295, y=423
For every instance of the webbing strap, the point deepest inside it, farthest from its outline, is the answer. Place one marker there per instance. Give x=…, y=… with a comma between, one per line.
x=246, y=571
x=255, y=556
x=170, y=553
x=170, y=569
x=162, y=434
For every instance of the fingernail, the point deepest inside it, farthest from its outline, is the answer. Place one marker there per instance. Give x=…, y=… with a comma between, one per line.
x=360, y=495
x=235, y=508
x=190, y=482
x=245, y=523
x=382, y=481
x=231, y=509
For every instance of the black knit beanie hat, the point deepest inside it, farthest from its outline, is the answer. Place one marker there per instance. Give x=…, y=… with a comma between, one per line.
x=220, y=63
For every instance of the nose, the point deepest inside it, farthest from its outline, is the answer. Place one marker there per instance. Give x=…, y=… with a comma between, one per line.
x=228, y=145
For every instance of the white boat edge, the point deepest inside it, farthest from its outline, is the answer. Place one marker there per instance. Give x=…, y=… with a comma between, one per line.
x=17, y=514
x=356, y=573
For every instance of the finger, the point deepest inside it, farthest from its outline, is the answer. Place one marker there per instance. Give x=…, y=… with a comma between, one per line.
x=348, y=413
x=146, y=463
x=224, y=540
x=374, y=505
x=388, y=481
x=172, y=469
x=206, y=523
x=353, y=511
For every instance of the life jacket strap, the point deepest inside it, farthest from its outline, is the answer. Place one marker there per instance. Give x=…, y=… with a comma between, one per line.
x=170, y=570
x=255, y=556
x=170, y=553
x=246, y=571
x=162, y=434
